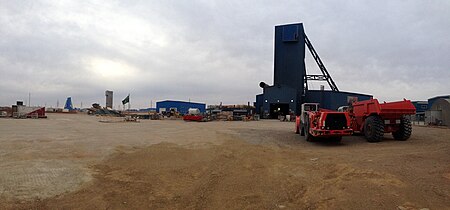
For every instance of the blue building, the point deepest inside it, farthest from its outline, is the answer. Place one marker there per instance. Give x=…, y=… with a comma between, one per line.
x=421, y=106
x=178, y=106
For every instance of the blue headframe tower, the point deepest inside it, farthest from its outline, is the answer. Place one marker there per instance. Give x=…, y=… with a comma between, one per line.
x=287, y=91
x=290, y=82
x=289, y=68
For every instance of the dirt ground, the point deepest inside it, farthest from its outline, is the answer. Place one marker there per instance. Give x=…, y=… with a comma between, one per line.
x=73, y=161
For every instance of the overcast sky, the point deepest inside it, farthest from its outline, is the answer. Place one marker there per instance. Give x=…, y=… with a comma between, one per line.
x=215, y=51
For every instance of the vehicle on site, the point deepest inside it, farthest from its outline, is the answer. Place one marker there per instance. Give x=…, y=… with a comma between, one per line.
x=373, y=119
x=194, y=114
x=321, y=123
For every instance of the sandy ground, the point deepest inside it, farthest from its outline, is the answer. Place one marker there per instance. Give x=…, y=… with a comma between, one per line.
x=76, y=162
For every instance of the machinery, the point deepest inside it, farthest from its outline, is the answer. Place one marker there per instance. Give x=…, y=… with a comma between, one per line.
x=194, y=114
x=374, y=119
x=321, y=123
x=368, y=117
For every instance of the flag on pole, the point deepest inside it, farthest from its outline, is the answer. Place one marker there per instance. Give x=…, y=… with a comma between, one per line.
x=126, y=100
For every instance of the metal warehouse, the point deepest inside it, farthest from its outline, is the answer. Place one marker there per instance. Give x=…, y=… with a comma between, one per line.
x=179, y=106
x=290, y=83
x=439, y=112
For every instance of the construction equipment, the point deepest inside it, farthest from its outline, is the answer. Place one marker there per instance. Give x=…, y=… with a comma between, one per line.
x=194, y=114
x=321, y=123
x=374, y=119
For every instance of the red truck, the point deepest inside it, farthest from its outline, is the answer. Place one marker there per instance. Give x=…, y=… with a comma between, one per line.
x=316, y=123
x=194, y=114
x=369, y=117
x=374, y=119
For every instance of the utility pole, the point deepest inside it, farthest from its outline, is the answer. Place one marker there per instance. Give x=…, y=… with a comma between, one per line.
x=29, y=99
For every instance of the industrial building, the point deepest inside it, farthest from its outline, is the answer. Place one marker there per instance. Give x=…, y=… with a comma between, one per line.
x=432, y=100
x=439, y=111
x=421, y=107
x=181, y=107
x=290, y=83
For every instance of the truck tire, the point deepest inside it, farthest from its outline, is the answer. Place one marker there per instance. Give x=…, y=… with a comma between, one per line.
x=405, y=130
x=373, y=129
x=308, y=136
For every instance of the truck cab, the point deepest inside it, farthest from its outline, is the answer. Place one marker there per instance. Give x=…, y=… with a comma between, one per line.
x=308, y=107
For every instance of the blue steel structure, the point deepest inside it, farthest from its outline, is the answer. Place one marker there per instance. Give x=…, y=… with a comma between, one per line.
x=68, y=104
x=180, y=106
x=333, y=100
x=290, y=88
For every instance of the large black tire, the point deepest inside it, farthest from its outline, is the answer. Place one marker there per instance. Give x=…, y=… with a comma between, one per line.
x=308, y=136
x=373, y=129
x=405, y=130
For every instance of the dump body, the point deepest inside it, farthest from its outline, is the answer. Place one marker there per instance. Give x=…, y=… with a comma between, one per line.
x=391, y=113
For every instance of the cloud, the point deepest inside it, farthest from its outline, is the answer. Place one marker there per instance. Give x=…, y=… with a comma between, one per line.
x=214, y=51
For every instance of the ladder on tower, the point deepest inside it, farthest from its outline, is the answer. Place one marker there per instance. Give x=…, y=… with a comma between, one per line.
x=325, y=75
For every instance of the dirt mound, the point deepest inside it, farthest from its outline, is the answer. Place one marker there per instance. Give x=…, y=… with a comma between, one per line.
x=167, y=176
x=234, y=175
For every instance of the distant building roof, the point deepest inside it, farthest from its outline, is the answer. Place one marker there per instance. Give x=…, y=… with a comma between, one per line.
x=436, y=97
x=173, y=101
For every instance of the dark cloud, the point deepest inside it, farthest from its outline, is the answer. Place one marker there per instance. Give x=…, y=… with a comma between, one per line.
x=214, y=51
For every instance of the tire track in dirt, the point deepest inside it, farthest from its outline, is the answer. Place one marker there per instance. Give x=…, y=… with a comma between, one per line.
x=40, y=179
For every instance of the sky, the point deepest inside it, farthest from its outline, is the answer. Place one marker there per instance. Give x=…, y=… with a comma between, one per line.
x=215, y=51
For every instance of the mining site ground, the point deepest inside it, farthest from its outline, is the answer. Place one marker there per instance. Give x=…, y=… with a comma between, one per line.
x=73, y=161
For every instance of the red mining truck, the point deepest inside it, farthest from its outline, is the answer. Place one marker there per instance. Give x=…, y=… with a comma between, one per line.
x=374, y=119
x=321, y=123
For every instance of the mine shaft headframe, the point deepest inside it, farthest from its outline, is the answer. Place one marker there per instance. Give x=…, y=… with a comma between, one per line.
x=325, y=75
